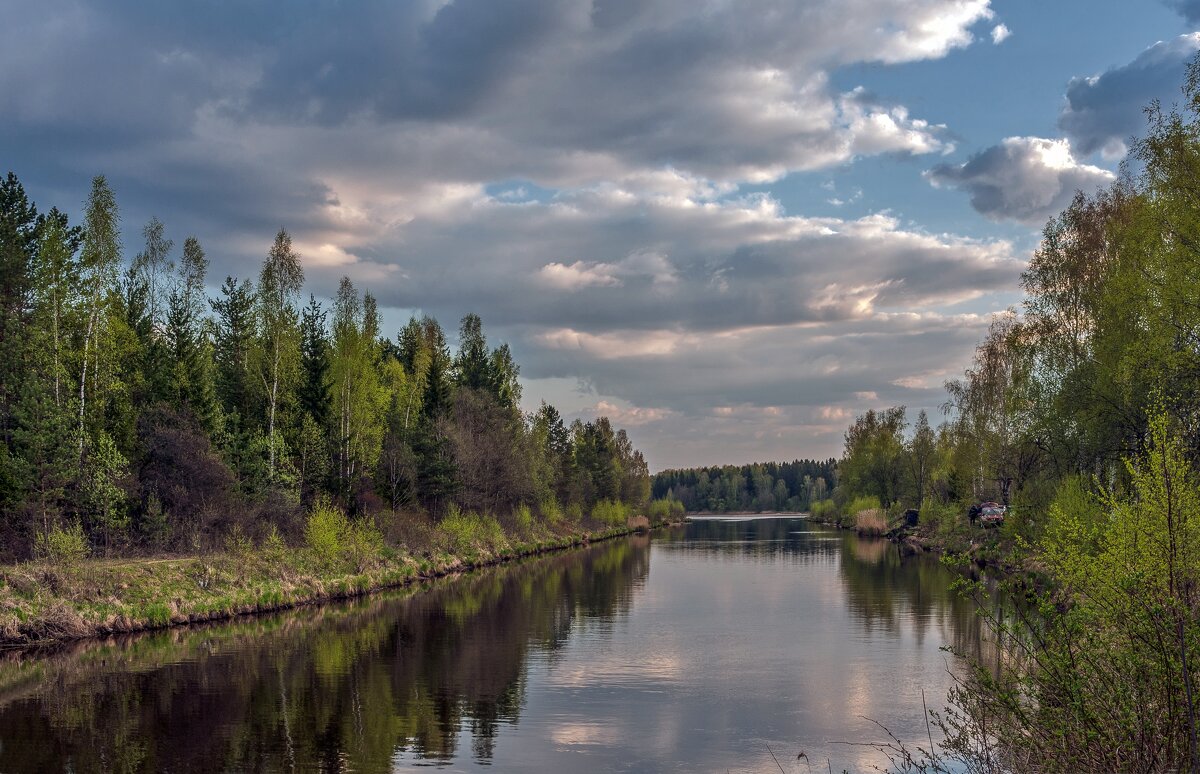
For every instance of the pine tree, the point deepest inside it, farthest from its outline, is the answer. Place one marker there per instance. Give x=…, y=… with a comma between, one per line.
x=185, y=338
x=234, y=341
x=18, y=245
x=315, y=383
x=472, y=368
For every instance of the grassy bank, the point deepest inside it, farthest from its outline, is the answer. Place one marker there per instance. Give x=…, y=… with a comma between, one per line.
x=74, y=598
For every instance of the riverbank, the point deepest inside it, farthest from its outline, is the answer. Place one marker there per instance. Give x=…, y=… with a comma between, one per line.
x=43, y=602
x=984, y=548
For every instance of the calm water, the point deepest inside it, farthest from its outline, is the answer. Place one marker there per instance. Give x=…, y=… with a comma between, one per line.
x=692, y=650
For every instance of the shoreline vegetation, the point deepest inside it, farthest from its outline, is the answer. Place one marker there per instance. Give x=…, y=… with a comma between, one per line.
x=73, y=598
x=278, y=450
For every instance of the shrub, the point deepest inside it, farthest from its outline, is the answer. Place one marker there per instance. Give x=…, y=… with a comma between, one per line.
x=63, y=546
x=324, y=531
x=523, y=517
x=863, y=503
x=610, y=512
x=274, y=549
x=821, y=509
x=550, y=511
x=238, y=544
x=664, y=509
x=363, y=543
x=468, y=531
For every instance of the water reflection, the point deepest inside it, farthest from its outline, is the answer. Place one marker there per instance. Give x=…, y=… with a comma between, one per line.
x=341, y=687
x=693, y=651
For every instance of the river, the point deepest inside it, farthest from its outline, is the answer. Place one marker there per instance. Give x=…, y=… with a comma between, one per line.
x=721, y=645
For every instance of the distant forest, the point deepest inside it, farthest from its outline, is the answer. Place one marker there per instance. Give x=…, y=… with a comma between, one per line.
x=761, y=486
x=151, y=416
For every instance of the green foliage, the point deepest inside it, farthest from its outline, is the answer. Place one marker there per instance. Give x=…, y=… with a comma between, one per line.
x=523, y=517
x=363, y=543
x=550, y=511
x=1106, y=679
x=325, y=531
x=822, y=510
x=470, y=533
x=612, y=513
x=1078, y=519
x=238, y=544
x=65, y=547
x=947, y=522
x=873, y=462
x=863, y=503
x=274, y=549
x=664, y=509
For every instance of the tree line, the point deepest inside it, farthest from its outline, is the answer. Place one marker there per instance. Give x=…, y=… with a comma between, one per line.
x=761, y=486
x=157, y=417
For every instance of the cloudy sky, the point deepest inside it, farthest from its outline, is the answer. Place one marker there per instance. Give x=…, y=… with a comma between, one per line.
x=730, y=226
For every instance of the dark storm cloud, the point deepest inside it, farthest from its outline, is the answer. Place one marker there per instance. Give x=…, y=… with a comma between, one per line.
x=1103, y=111
x=1027, y=179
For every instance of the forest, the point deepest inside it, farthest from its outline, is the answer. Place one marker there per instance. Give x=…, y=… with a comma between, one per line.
x=762, y=486
x=1081, y=411
x=140, y=415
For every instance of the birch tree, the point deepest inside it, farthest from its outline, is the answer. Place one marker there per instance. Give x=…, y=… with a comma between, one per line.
x=99, y=260
x=278, y=287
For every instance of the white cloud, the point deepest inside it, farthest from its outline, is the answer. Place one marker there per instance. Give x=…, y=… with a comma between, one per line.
x=578, y=275
x=1000, y=33
x=1027, y=179
x=1104, y=110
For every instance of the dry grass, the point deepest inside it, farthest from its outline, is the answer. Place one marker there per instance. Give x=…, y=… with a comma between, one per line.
x=870, y=522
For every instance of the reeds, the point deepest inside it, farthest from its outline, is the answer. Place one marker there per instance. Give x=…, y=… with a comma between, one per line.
x=870, y=522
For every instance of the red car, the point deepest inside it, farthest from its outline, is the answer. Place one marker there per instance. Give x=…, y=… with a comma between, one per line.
x=992, y=514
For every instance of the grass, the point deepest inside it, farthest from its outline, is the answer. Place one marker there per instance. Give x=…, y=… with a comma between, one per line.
x=870, y=522
x=46, y=600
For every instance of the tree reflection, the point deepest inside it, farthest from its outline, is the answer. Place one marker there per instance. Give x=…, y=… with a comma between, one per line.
x=340, y=687
x=886, y=590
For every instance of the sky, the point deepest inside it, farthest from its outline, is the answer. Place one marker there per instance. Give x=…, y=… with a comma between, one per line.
x=729, y=226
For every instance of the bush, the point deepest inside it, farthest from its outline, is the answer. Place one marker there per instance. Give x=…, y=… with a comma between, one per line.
x=863, y=503
x=550, y=511
x=238, y=544
x=610, y=512
x=523, y=517
x=324, y=531
x=63, y=546
x=665, y=509
x=821, y=509
x=363, y=543
x=273, y=547
x=470, y=532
